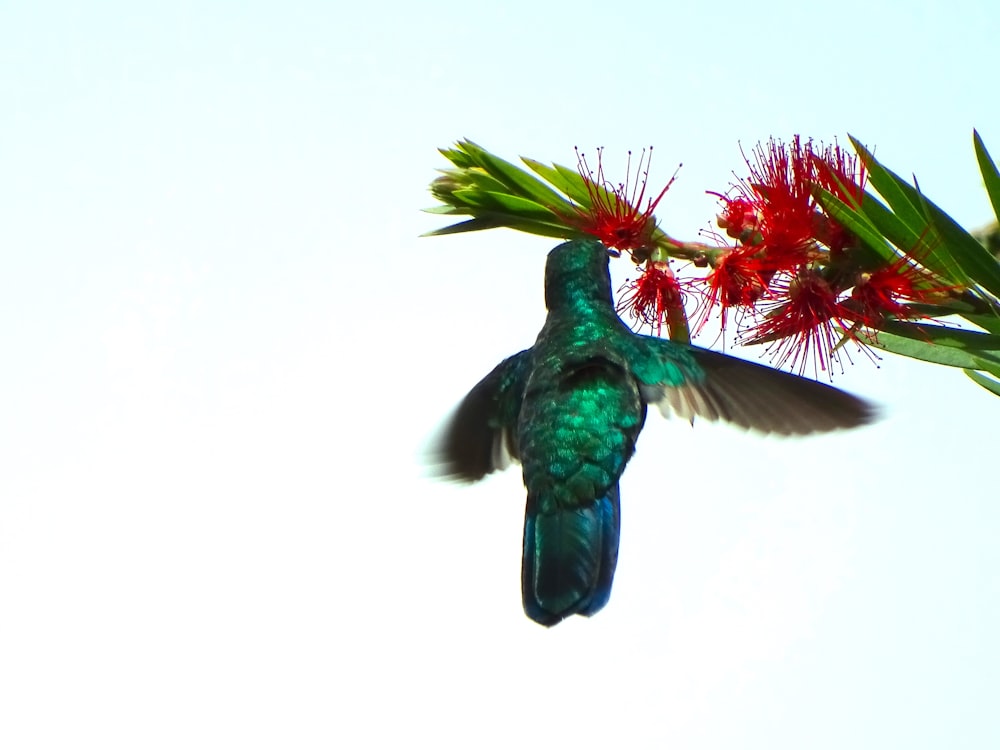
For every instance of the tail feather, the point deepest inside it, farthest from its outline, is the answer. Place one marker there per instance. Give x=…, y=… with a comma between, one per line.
x=569, y=558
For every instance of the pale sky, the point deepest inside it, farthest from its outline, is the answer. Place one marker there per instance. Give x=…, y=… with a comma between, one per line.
x=226, y=346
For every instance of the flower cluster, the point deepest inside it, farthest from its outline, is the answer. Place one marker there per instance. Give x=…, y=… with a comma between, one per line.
x=617, y=218
x=802, y=280
x=805, y=260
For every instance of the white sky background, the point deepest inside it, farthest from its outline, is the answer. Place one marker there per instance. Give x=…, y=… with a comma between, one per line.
x=224, y=346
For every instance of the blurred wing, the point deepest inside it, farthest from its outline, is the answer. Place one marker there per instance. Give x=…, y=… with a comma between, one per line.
x=480, y=437
x=690, y=381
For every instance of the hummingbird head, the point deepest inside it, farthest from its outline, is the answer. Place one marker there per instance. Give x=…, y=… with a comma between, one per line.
x=577, y=272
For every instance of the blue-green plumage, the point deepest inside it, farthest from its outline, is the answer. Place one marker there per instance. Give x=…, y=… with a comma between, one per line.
x=571, y=407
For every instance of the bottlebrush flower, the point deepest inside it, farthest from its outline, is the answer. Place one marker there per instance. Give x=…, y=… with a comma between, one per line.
x=775, y=208
x=889, y=293
x=844, y=176
x=780, y=271
x=780, y=189
x=735, y=281
x=808, y=323
x=841, y=173
x=738, y=217
x=652, y=297
x=616, y=216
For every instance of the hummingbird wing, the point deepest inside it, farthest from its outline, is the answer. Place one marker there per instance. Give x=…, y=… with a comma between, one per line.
x=480, y=437
x=690, y=381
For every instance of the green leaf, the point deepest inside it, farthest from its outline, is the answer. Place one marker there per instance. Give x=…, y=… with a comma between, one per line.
x=497, y=193
x=988, y=383
x=991, y=177
x=856, y=223
x=940, y=345
x=504, y=203
x=569, y=182
x=890, y=186
x=889, y=225
x=922, y=350
x=982, y=344
x=913, y=235
x=990, y=322
x=476, y=178
x=976, y=261
x=946, y=239
x=514, y=178
x=456, y=157
x=936, y=312
x=472, y=225
x=445, y=210
x=444, y=188
x=584, y=198
x=495, y=221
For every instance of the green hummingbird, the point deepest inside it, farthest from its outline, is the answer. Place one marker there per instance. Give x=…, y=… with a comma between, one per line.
x=571, y=407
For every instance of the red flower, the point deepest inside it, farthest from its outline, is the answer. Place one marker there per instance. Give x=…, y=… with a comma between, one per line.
x=807, y=323
x=844, y=176
x=775, y=207
x=780, y=188
x=890, y=291
x=651, y=298
x=615, y=216
x=735, y=281
x=841, y=173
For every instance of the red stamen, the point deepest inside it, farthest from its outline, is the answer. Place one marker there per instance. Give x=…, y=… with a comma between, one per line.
x=841, y=173
x=735, y=281
x=808, y=323
x=888, y=293
x=650, y=298
x=615, y=216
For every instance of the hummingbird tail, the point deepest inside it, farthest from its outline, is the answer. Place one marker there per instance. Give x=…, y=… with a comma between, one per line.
x=569, y=558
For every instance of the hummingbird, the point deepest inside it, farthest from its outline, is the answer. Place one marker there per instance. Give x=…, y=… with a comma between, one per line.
x=571, y=408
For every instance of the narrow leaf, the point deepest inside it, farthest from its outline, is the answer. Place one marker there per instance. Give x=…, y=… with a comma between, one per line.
x=515, y=178
x=504, y=203
x=583, y=198
x=564, y=180
x=891, y=187
x=898, y=233
x=916, y=210
x=472, y=225
x=988, y=383
x=445, y=210
x=856, y=223
x=922, y=350
x=990, y=322
x=982, y=344
x=457, y=157
x=479, y=179
x=976, y=261
x=991, y=177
